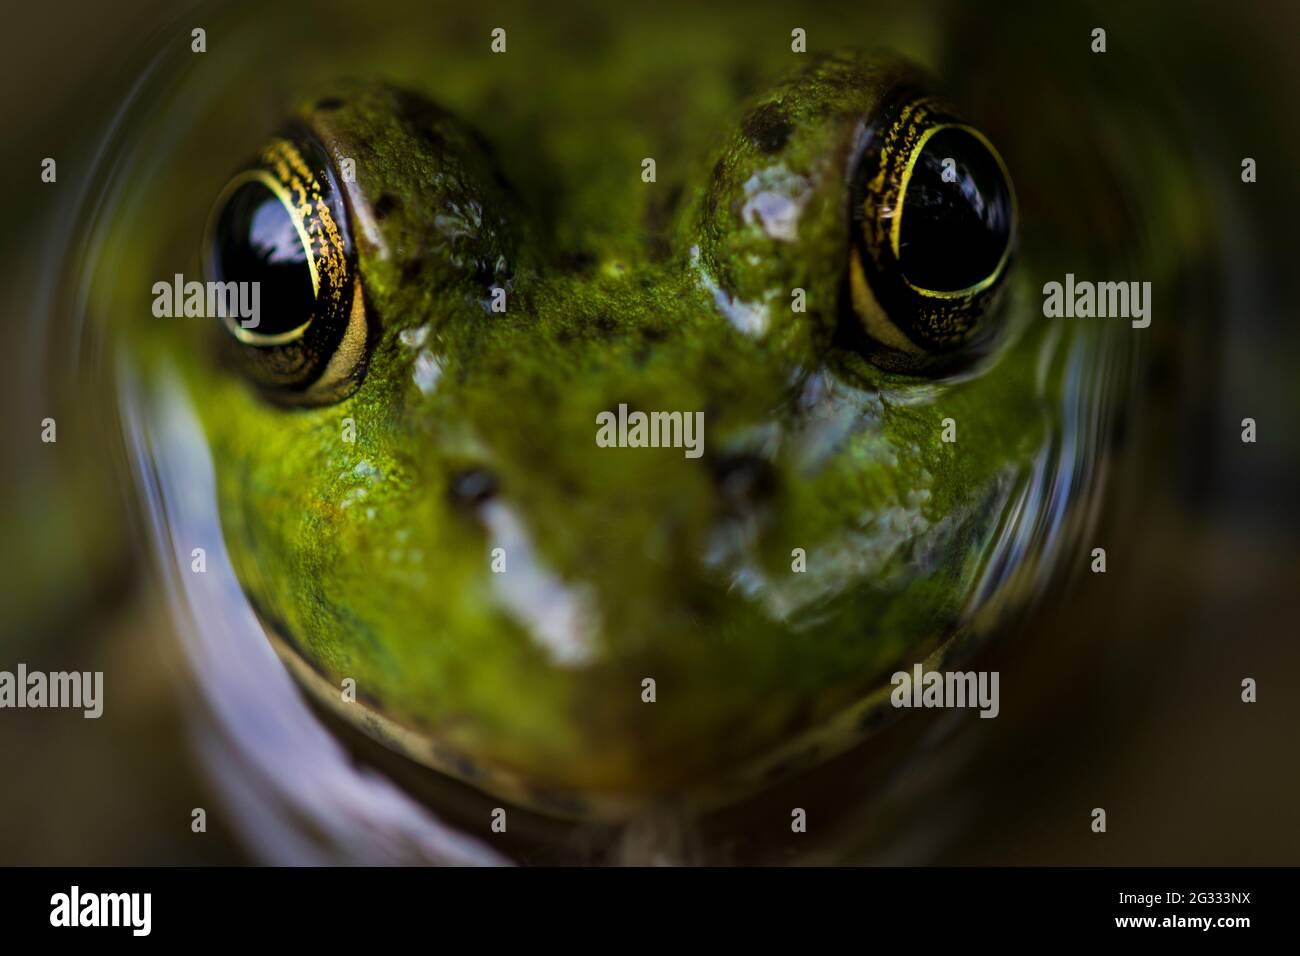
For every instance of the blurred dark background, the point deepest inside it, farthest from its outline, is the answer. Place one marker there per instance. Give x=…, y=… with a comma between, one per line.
x=1129, y=682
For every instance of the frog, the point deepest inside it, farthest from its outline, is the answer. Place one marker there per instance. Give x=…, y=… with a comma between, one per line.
x=463, y=271
x=415, y=500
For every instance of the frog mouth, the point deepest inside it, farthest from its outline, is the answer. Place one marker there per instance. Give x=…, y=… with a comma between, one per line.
x=580, y=805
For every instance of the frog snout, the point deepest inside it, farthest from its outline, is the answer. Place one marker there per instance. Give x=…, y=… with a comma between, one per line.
x=745, y=482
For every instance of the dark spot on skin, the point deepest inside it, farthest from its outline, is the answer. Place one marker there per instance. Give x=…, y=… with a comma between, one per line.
x=385, y=205
x=569, y=489
x=768, y=127
x=474, y=488
x=329, y=104
x=412, y=268
x=744, y=480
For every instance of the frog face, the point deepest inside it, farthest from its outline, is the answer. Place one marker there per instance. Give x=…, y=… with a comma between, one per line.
x=411, y=480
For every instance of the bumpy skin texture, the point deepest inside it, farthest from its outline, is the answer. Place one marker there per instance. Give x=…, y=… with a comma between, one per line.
x=621, y=564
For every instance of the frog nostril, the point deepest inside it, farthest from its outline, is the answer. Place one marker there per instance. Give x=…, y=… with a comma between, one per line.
x=385, y=205
x=744, y=480
x=473, y=488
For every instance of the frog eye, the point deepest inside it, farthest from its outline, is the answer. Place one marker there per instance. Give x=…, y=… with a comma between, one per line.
x=933, y=222
x=281, y=226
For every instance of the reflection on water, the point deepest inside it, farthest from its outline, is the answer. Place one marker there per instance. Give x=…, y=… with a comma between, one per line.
x=297, y=796
x=1119, y=691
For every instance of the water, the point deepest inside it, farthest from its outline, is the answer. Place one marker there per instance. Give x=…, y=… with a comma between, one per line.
x=1121, y=689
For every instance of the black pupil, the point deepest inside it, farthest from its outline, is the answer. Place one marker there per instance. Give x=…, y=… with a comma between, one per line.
x=256, y=242
x=954, y=232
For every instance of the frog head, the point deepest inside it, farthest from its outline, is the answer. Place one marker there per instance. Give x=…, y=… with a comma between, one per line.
x=429, y=468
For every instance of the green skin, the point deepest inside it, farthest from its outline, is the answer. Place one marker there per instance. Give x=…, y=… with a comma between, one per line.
x=358, y=555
